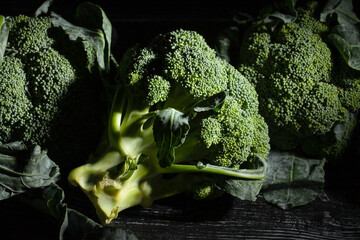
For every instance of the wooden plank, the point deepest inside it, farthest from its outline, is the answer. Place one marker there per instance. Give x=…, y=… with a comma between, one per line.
x=334, y=215
x=329, y=217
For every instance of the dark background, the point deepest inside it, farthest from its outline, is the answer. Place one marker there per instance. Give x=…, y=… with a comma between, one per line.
x=334, y=215
x=139, y=20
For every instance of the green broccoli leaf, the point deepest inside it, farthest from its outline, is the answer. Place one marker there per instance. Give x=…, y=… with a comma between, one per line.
x=95, y=37
x=341, y=128
x=74, y=224
x=345, y=33
x=44, y=8
x=214, y=103
x=94, y=26
x=22, y=169
x=342, y=10
x=91, y=16
x=4, y=33
x=243, y=189
x=54, y=196
x=291, y=180
x=346, y=39
x=34, y=174
x=282, y=10
x=227, y=43
x=170, y=129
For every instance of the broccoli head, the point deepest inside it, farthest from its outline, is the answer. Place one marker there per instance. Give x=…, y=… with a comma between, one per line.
x=45, y=79
x=180, y=116
x=304, y=89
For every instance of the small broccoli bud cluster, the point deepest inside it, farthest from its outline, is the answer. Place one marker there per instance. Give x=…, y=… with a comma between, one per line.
x=189, y=66
x=158, y=89
x=14, y=102
x=29, y=34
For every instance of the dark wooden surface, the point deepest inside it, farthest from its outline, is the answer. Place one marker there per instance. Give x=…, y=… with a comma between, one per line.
x=229, y=218
x=333, y=215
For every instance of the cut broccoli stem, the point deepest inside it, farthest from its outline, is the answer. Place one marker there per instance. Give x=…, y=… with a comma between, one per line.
x=108, y=195
x=112, y=194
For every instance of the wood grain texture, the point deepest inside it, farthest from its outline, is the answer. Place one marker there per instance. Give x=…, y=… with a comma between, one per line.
x=333, y=215
x=228, y=218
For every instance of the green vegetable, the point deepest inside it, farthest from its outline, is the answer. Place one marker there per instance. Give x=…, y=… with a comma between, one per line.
x=306, y=89
x=49, y=81
x=181, y=120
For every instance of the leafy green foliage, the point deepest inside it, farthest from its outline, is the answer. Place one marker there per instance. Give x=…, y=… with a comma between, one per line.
x=281, y=10
x=345, y=34
x=91, y=16
x=346, y=39
x=242, y=189
x=170, y=129
x=291, y=180
x=342, y=10
x=73, y=224
x=31, y=176
x=23, y=169
x=4, y=32
x=181, y=120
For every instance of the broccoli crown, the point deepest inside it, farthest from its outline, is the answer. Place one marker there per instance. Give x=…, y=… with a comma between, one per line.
x=179, y=69
x=41, y=77
x=182, y=120
x=304, y=90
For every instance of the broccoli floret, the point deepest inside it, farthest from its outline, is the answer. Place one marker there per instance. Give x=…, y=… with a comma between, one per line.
x=158, y=89
x=15, y=104
x=29, y=34
x=180, y=115
x=304, y=91
x=45, y=77
x=207, y=191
